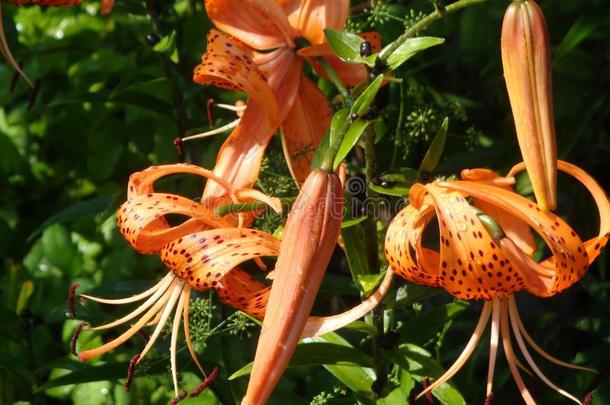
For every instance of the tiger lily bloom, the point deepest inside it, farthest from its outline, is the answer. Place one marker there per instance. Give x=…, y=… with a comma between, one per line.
x=261, y=52
x=4, y=47
x=526, y=59
x=485, y=254
x=202, y=253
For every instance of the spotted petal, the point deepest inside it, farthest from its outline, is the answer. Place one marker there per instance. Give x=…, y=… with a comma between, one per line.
x=202, y=259
x=261, y=24
x=225, y=64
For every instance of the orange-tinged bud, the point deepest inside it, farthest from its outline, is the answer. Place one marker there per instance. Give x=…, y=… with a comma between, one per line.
x=310, y=237
x=527, y=70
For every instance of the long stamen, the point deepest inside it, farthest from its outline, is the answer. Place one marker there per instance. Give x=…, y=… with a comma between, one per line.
x=466, y=353
x=161, y=288
x=187, y=331
x=8, y=55
x=493, y=344
x=317, y=326
x=160, y=285
x=531, y=361
x=174, y=339
x=218, y=130
x=175, y=293
x=88, y=354
x=231, y=107
x=510, y=356
x=521, y=328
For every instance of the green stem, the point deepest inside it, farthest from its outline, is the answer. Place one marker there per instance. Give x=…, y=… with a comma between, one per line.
x=401, y=118
x=333, y=77
x=370, y=157
x=424, y=23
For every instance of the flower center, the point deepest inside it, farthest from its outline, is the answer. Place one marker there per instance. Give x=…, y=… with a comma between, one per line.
x=300, y=43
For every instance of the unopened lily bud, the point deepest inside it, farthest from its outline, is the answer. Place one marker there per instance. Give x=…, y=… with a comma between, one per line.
x=527, y=71
x=310, y=237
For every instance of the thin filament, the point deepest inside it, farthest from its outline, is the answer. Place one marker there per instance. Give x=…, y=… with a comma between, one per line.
x=160, y=285
x=466, y=353
x=175, y=293
x=493, y=343
x=531, y=361
x=514, y=312
x=161, y=288
x=218, y=130
x=510, y=357
x=174, y=339
x=187, y=330
x=8, y=55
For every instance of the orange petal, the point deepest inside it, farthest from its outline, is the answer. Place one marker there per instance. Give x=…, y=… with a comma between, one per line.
x=261, y=24
x=239, y=159
x=226, y=65
x=107, y=6
x=202, y=259
x=517, y=231
x=240, y=290
x=311, y=17
x=282, y=70
x=568, y=263
x=304, y=128
x=594, y=245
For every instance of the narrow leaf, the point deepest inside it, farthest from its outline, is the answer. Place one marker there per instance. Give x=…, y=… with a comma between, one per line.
x=410, y=48
x=365, y=99
x=433, y=155
x=346, y=45
x=350, y=140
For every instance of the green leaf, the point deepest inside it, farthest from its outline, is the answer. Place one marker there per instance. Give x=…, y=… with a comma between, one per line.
x=351, y=222
x=363, y=327
x=354, y=240
x=409, y=48
x=409, y=294
x=397, y=190
x=401, y=175
x=422, y=365
x=319, y=353
x=396, y=396
x=357, y=379
x=433, y=155
x=368, y=282
x=350, y=140
x=424, y=326
x=95, y=205
x=365, y=99
x=338, y=126
x=346, y=45
x=15, y=366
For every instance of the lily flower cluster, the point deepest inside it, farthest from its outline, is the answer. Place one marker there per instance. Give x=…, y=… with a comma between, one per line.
x=259, y=47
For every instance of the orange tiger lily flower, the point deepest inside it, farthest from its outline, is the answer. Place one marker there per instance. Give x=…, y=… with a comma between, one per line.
x=202, y=253
x=262, y=54
x=5, y=50
x=485, y=254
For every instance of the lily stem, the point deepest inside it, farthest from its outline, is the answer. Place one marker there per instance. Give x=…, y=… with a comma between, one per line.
x=171, y=72
x=424, y=23
x=334, y=78
x=370, y=157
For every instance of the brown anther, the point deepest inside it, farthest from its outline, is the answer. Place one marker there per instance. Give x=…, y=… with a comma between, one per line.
x=428, y=395
x=144, y=335
x=205, y=384
x=179, y=146
x=210, y=109
x=178, y=398
x=132, y=366
x=488, y=399
x=75, y=335
x=34, y=94
x=588, y=400
x=71, y=295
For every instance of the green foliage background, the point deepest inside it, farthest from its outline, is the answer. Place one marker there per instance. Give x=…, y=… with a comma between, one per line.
x=110, y=104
